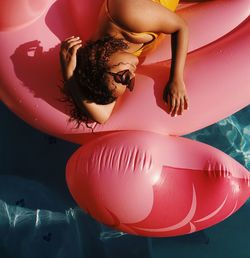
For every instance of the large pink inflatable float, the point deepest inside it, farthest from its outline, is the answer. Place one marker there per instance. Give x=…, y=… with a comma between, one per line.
x=146, y=183
x=156, y=185
x=216, y=63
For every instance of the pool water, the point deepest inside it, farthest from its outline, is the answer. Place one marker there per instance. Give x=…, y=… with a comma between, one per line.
x=231, y=135
x=38, y=214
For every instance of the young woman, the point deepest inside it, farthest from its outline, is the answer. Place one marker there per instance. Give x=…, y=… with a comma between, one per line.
x=99, y=71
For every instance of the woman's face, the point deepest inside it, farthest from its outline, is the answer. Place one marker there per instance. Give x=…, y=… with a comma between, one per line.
x=118, y=62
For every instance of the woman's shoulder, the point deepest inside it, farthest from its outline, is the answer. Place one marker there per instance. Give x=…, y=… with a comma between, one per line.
x=139, y=15
x=126, y=13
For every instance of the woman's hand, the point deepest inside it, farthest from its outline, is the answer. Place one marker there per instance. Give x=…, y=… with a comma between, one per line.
x=175, y=96
x=68, y=52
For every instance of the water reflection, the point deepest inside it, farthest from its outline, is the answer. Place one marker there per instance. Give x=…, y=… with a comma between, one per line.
x=28, y=229
x=36, y=222
x=231, y=135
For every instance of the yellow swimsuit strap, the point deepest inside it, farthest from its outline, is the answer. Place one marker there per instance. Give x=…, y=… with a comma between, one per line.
x=169, y=4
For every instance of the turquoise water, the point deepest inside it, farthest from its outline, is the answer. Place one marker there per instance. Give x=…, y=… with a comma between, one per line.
x=231, y=135
x=43, y=223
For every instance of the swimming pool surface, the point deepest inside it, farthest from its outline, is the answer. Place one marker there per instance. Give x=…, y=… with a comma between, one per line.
x=39, y=218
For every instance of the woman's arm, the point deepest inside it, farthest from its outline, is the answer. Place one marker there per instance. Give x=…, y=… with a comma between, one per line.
x=145, y=15
x=99, y=113
x=68, y=52
x=175, y=93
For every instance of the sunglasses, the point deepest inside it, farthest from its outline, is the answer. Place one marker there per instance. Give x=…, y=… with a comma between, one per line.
x=124, y=77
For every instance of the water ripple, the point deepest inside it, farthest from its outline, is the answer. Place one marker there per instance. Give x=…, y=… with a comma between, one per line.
x=231, y=135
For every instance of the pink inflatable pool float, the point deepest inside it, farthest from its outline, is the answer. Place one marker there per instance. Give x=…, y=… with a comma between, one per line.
x=216, y=63
x=132, y=174
x=156, y=185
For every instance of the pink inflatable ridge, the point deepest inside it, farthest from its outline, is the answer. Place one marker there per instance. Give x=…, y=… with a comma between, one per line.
x=205, y=25
x=30, y=72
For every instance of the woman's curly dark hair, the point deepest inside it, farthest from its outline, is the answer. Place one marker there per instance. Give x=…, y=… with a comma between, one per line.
x=90, y=76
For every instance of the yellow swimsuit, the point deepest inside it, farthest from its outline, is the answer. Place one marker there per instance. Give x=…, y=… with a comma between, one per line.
x=170, y=4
